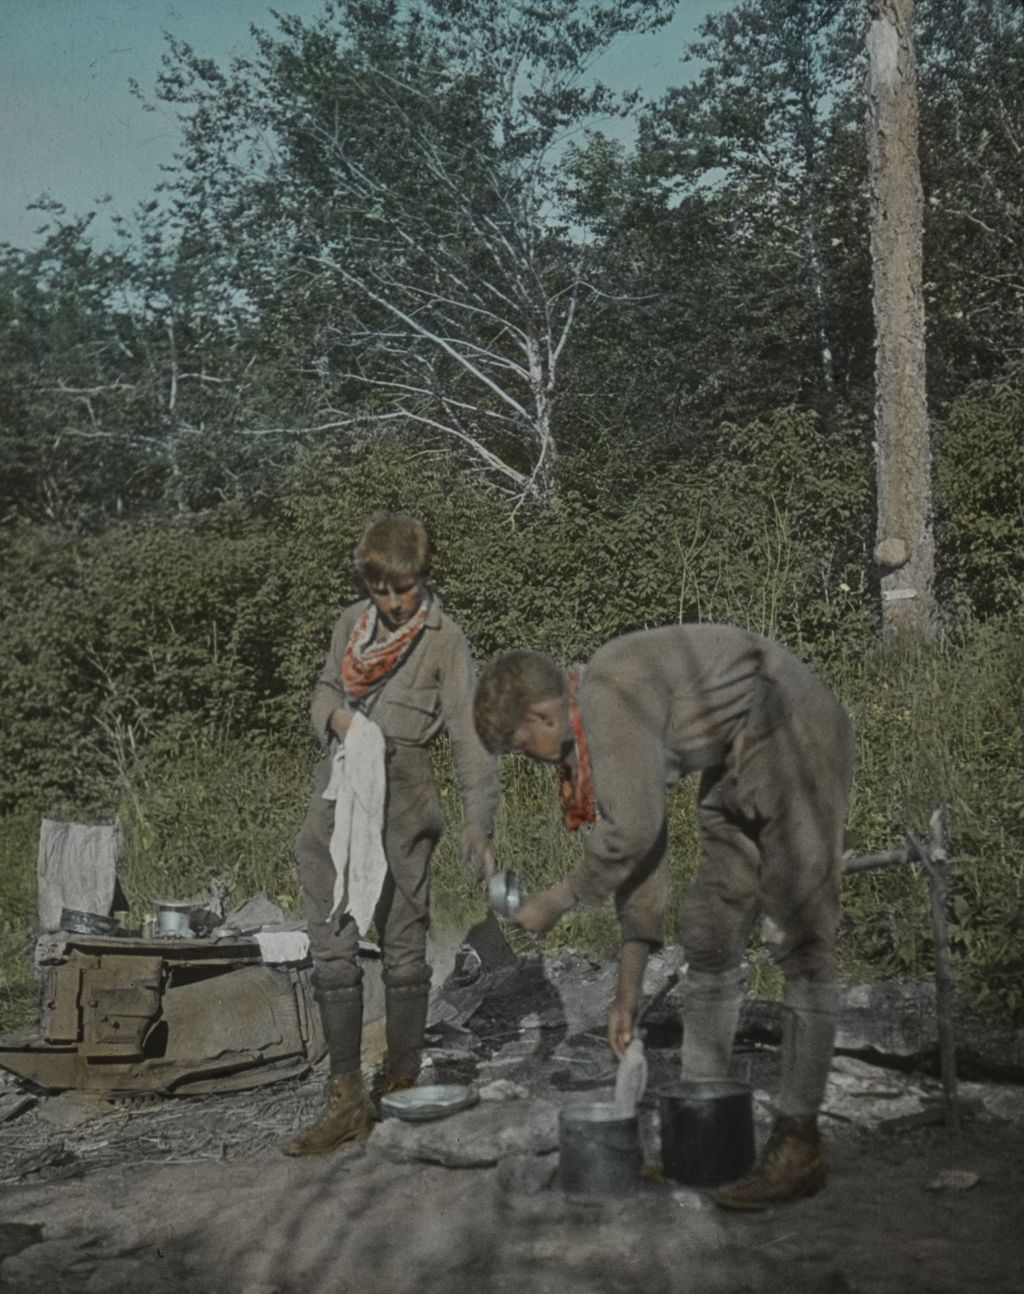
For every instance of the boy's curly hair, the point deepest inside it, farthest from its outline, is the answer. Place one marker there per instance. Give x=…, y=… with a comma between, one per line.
x=393, y=549
x=507, y=689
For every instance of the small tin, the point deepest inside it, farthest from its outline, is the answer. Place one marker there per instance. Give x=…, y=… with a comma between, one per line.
x=504, y=894
x=89, y=923
x=173, y=918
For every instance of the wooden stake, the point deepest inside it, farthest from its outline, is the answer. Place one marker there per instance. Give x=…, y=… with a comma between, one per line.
x=934, y=859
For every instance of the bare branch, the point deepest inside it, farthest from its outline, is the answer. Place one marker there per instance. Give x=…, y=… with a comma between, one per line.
x=427, y=334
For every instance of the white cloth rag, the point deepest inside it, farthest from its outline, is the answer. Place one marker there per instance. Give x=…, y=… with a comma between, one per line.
x=278, y=947
x=357, y=786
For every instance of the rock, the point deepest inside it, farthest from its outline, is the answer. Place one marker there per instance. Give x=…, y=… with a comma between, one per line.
x=899, y=1018
x=856, y=1068
x=498, y=1069
x=520, y=1048
x=527, y=1174
x=584, y=989
x=589, y=1060
x=894, y=1017
x=488, y=941
x=503, y=1089
x=16, y=1236
x=692, y=1201
x=521, y=980
x=449, y=1056
x=14, y=1103
x=254, y=913
x=474, y=1138
x=72, y=1109
x=954, y=1179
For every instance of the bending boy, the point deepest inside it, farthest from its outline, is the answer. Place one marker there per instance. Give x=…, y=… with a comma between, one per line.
x=774, y=751
x=398, y=660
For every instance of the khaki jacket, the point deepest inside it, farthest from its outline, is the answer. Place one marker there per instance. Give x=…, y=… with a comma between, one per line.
x=657, y=705
x=432, y=689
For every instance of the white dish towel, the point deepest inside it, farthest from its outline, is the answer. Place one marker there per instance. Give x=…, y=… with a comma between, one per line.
x=357, y=786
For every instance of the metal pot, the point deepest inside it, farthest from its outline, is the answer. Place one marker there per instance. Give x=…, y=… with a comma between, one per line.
x=707, y=1130
x=173, y=918
x=599, y=1149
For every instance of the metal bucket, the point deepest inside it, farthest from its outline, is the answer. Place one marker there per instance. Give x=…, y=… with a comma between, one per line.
x=173, y=918
x=707, y=1130
x=599, y=1149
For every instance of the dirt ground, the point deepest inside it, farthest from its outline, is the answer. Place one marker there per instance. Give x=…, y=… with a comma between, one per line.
x=194, y=1195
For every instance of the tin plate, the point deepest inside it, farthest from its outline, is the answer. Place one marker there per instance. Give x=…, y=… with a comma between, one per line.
x=434, y=1101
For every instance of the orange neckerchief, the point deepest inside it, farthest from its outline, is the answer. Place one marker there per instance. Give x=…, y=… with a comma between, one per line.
x=576, y=785
x=367, y=663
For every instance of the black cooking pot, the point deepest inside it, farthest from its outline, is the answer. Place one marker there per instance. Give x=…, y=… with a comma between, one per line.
x=707, y=1130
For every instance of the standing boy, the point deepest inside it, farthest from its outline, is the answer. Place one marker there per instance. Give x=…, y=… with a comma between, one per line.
x=398, y=661
x=774, y=751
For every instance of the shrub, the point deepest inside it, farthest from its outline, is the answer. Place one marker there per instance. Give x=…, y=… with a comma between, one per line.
x=979, y=462
x=934, y=728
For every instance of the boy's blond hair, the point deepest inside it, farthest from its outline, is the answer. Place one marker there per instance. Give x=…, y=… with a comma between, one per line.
x=394, y=549
x=507, y=689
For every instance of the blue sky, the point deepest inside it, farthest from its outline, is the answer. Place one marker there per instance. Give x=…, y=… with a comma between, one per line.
x=70, y=126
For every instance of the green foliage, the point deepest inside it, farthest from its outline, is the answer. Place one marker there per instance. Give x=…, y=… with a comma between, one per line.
x=113, y=639
x=979, y=499
x=941, y=726
x=971, y=55
x=19, y=837
x=191, y=427
x=161, y=673
x=211, y=808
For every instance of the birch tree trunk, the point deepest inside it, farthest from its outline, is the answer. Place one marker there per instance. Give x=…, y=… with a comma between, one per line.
x=905, y=549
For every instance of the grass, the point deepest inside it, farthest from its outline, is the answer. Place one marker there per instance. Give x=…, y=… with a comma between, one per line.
x=18, y=847
x=934, y=726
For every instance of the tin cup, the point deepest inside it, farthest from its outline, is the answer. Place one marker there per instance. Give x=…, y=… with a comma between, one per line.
x=504, y=894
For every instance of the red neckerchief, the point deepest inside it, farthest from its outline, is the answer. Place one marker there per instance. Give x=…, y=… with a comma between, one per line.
x=366, y=663
x=576, y=784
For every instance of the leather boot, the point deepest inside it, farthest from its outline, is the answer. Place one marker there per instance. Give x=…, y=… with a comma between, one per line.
x=791, y=1166
x=384, y=1083
x=405, y=1021
x=348, y=1117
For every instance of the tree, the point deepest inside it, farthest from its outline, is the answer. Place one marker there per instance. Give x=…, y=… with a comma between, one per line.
x=400, y=169
x=905, y=551
x=122, y=368
x=971, y=60
x=758, y=154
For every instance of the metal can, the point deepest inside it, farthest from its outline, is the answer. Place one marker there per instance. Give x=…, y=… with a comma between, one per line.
x=598, y=1149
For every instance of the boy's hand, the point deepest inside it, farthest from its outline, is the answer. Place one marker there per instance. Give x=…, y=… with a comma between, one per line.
x=622, y=1013
x=478, y=853
x=544, y=910
x=339, y=723
x=620, y=1027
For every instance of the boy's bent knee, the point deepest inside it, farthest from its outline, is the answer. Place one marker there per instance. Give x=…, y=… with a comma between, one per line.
x=407, y=975
x=814, y=962
x=338, y=973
